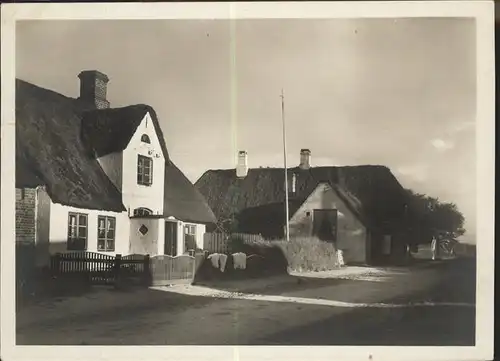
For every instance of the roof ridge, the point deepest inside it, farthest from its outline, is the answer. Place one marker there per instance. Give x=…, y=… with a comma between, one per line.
x=138, y=105
x=312, y=167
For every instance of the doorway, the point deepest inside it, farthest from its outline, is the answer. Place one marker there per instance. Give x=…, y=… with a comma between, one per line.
x=325, y=224
x=170, y=239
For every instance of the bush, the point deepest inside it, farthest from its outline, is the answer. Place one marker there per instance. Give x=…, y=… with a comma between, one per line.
x=301, y=254
x=265, y=259
x=268, y=257
x=274, y=257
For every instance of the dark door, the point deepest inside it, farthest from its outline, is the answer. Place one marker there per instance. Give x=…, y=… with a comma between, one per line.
x=325, y=224
x=171, y=239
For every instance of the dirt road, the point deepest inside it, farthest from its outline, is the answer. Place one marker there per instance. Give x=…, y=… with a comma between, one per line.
x=444, y=314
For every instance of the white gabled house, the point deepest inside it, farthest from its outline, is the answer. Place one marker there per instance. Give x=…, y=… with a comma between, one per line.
x=90, y=177
x=360, y=209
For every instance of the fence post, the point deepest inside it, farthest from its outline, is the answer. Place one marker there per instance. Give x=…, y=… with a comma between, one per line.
x=56, y=264
x=147, y=270
x=194, y=268
x=116, y=269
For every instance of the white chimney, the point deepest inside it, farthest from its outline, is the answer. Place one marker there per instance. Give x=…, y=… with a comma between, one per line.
x=242, y=166
x=305, y=159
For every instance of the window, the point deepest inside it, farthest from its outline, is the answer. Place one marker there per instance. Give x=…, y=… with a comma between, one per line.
x=143, y=229
x=145, y=139
x=190, y=229
x=142, y=212
x=106, y=233
x=77, y=232
x=144, y=170
x=189, y=237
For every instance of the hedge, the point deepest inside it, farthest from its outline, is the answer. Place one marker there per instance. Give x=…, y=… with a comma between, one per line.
x=301, y=254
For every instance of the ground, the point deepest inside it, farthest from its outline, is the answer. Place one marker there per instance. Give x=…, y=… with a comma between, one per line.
x=426, y=304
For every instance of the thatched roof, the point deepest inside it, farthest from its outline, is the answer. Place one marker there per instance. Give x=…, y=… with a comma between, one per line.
x=26, y=176
x=57, y=142
x=182, y=200
x=110, y=130
x=372, y=192
x=50, y=151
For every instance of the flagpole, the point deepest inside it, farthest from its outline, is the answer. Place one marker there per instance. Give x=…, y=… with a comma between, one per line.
x=287, y=231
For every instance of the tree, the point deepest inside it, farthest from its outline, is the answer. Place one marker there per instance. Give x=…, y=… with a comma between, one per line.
x=449, y=219
x=428, y=216
x=228, y=225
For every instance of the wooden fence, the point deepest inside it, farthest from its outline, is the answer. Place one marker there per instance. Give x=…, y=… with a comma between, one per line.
x=218, y=242
x=98, y=268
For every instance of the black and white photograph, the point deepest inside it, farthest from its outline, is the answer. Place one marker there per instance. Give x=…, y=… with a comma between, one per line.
x=248, y=175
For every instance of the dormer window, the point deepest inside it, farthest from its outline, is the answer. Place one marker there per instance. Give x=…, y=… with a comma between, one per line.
x=142, y=212
x=144, y=170
x=145, y=139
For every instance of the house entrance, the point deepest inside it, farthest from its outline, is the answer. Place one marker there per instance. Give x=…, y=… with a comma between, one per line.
x=325, y=224
x=171, y=268
x=170, y=239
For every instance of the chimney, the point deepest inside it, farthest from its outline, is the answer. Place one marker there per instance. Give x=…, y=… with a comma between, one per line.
x=93, y=88
x=294, y=183
x=305, y=159
x=242, y=167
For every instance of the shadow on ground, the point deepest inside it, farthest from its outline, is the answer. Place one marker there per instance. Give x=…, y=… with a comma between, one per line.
x=439, y=325
x=419, y=326
x=349, y=285
x=104, y=315
x=98, y=305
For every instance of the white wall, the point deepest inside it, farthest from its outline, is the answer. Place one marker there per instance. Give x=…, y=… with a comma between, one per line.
x=351, y=233
x=112, y=164
x=150, y=242
x=180, y=238
x=135, y=195
x=59, y=229
x=161, y=236
x=200, y=233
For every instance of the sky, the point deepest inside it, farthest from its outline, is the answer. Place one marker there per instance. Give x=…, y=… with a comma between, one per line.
x=393, y=92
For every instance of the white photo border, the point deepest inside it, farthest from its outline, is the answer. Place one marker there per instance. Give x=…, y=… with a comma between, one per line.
x=482, y=11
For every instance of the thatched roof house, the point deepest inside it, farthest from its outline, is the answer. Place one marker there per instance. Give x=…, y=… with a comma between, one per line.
x=90, y=177
x=256, y=200
x=59, y=140
x=372, y=192
x=51, y=152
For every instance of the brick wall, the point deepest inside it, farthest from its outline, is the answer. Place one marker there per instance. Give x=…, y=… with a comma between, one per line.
x=101, y=103
x=25, y=215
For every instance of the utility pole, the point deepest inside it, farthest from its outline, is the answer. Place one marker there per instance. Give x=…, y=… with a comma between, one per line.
x=287, y=230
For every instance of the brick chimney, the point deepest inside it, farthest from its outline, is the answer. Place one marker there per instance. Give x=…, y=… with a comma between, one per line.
x=305, y=159
x=93, y=89
x=242, y=167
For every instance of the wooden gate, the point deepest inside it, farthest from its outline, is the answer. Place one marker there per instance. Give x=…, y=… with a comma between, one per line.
x=166, y=270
